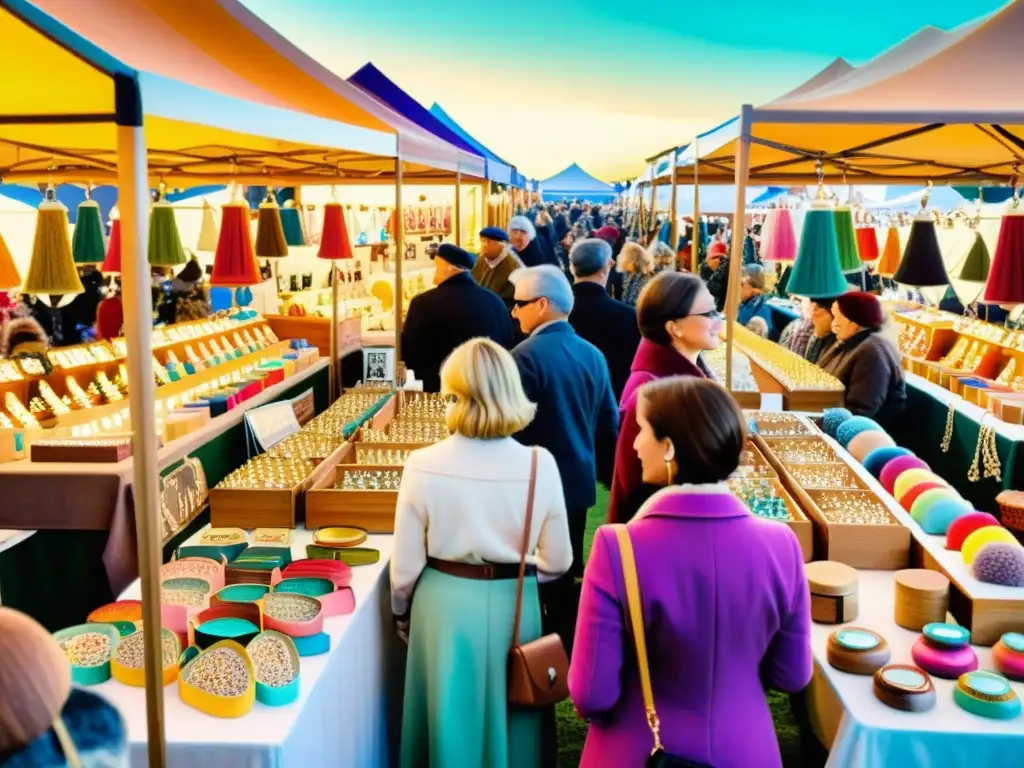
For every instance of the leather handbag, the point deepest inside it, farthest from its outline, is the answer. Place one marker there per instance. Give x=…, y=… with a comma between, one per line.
x=538, y=671
x=658, y=758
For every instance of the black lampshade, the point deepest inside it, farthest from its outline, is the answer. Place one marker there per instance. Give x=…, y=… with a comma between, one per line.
x=921, y=264
x=977, y=263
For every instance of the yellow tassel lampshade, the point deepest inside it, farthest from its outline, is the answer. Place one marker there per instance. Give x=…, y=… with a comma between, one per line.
x=51, y=271
x=9, y=277
x=165, y=249
x=208, y=231
x=87, y=243
x=270, y=239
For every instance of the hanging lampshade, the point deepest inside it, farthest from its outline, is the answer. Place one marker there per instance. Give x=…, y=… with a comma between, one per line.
x=816, y=273
x=890, y=260
x=51, y=271
x=110, y=318
x=165, y=249
x=846, y=240
x=922, y=264
x=112, y=263
x=749, y=251
x=87, y=242
x=977, y=262
x=291, y=221
x=334, y=241
x=234, y=260
x=1006, y=278
x=208, y=229
x=270, y=239
x=9, y=276
x=781, y=240
x=867, y=244
x=767, y=226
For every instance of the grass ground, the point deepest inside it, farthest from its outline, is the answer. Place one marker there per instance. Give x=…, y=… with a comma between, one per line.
x=798, y=745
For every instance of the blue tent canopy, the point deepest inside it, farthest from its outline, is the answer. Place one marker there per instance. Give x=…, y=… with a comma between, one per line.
x=770, y=194
x=513, y=177
x=574, y=182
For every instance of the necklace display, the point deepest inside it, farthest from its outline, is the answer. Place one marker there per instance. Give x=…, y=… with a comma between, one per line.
x=986, y=455
x=947, y=435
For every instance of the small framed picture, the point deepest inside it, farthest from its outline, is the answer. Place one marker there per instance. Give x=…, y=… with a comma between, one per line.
x=378, y=364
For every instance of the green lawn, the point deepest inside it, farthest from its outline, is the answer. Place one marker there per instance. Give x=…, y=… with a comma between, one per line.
x=799, y=747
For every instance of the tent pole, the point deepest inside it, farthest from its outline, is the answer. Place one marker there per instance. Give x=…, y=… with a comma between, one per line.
x=695, y=239
x=333, y=383
x=732, y=300
x=133, y=202
x=673, y=229
x=399, y=256
x=654, y=205
x=457, y=223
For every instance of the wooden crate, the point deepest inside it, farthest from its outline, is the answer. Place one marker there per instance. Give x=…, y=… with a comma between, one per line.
x=372, y=510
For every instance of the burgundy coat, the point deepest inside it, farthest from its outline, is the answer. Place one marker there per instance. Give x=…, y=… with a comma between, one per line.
x=652, y=361
x=726, y=611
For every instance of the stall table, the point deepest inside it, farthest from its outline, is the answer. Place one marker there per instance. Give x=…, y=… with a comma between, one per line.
x=85, y=551
x=341, y=718
x=862, y=732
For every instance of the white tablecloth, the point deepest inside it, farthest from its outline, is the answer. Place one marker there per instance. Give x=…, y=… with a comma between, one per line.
x=862, y=732
x=341, y=718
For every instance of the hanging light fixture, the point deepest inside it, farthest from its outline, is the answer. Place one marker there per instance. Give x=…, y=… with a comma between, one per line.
x=922, y=264
x=816, y=272
x=291, y=221
x=890, y=259
x=87, y=242
x=977, y=263
x=846, y=240
x=51, y=270
x=270, y=240
x=780, y=244
x=1006, y=278
x=867, y=240
x=112, y=263
x=334, y=239
x=9, y=275
x=234, y=260
x=208, y=232
x=165, y=249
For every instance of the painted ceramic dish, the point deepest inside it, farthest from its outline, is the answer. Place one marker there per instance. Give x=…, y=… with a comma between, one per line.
x=988, y=695
x=339, y=537
x=902, y=686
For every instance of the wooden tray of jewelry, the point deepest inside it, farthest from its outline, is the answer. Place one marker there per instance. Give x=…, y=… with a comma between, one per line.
x=358, y=495
x=768, y=499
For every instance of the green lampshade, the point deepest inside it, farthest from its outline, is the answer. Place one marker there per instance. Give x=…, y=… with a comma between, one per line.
x=977, y=263
x=87, y=244
x=846, y=240
x=291, y=220
x=165, y=249
x=816, y=272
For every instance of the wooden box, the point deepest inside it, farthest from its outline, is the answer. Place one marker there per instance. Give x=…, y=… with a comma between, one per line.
x=798, y=522
x=875, y=547
x=372, y=510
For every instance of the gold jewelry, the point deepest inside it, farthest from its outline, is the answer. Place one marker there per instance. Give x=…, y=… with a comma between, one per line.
x=947, y=437
x=974, y=473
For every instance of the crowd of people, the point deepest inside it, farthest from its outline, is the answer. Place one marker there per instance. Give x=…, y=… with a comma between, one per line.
x=595, y=375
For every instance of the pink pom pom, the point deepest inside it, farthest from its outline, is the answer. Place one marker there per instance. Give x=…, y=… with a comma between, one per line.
x=1000, y=563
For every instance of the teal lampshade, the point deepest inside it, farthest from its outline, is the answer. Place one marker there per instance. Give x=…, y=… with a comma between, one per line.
x=749, y=251
x=87, y=243
x=977, y=263
x=816, y=272
x=291, y=220
x=846, y=240
x=922, y=264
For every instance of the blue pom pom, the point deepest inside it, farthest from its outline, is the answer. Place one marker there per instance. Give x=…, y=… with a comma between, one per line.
x=937, y=517
x=878, y=458
x=832, y=418
x=853, y=426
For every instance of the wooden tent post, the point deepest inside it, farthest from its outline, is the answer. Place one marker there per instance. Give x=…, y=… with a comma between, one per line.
x=457, y=218
x=695, y=239
x=673, y=230
x=732, y=300
x=399, y=258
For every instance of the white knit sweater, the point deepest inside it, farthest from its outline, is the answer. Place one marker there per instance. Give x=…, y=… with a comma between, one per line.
x=465, y=500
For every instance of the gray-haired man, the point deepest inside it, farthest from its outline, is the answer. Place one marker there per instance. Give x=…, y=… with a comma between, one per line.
x=567, y=377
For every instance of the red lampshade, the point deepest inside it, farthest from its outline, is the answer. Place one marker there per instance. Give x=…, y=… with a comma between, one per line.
x=234, y=261
x=109, y=318
x=334, y=241
x=112, y=263
x=867, y=243
x=1006, y=277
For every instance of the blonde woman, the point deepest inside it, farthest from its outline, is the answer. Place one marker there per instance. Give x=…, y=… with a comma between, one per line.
x=663, y=256
x=637, y=268
x=458, y=536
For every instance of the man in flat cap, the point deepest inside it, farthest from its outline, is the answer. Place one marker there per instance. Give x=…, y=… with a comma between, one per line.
x=497, y=261
x=453, y=312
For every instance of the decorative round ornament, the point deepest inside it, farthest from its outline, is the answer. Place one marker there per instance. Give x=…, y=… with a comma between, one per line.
x=857, y=651
x=1000, y=563
x=987, y=694
x=897, y=467
x=868, y=441
x=935, y=510
x=1008, y=655
x=947, y=636
x=831, y=418
x=979, y=538
x=913, y=477
x=947, y=663
x=339, y=537
x=964, y=526
x=853, y=426
x=875, y=461
x=912, y=494
x=905, y=687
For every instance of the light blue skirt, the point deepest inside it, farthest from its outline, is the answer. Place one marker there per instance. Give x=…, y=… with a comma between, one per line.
x=456, y=711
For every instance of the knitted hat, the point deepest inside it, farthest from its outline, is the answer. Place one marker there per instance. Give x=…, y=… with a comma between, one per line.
x=457, y=257
x=609, y=234
x=862, y=308
x=717, y=248
x=522, y=224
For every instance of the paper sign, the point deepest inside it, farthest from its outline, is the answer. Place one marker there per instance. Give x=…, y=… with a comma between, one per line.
x=270, y=424
x=304, y=407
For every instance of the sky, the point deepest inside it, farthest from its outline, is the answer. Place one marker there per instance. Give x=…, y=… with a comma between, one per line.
x=603, y=83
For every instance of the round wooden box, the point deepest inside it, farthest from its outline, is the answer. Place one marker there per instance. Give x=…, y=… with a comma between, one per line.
x=905, y=687
x=922, y=597
x=857, y=651
x=833, y=592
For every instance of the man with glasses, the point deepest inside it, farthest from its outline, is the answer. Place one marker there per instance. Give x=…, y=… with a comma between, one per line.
x=568, y=379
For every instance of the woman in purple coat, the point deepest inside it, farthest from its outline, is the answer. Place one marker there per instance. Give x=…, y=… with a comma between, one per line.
x=726, y=605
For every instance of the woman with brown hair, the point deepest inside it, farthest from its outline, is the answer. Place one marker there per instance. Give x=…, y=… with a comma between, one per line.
x=678, y=320
x=725, y=602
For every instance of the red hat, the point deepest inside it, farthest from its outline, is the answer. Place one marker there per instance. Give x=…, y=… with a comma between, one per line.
x=862, y=308
x=609, y=234
x=718, y=248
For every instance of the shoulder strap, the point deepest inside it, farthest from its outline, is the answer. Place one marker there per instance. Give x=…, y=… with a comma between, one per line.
x=636, y=620
x=526, y=546
x=67, y=744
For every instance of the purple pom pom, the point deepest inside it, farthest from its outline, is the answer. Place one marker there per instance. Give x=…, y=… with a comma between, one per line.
x=1000, y=563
